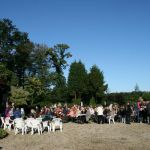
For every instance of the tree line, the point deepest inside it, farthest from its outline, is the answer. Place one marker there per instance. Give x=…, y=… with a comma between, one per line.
x=33, y=74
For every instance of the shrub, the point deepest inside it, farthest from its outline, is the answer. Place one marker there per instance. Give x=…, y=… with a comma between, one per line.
x=3, y=133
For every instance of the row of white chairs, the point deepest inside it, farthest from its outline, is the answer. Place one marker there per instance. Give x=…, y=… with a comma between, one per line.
x=31, y=124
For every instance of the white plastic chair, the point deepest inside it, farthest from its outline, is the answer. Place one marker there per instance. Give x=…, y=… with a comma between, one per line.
x=57, y=124
x=6, y=123
x=39, y=119
x=19, y=124
x=36, y=125
x=46, y=124
x=28, y=125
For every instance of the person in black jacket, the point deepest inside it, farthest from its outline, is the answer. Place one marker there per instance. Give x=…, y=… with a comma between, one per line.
x=128, y=113
x=123, y=114
x=148, y=112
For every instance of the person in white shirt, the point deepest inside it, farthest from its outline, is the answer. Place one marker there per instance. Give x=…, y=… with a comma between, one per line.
x=99, y=111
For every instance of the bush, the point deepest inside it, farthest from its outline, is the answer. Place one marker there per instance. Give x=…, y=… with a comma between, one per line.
x=3, y=133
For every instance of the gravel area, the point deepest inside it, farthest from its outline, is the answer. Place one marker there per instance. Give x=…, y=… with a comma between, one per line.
x=90, y=136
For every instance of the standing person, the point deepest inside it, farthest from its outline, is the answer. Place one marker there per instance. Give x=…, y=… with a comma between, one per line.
x=138, y=110
x=99, y=111
x=11, y=113
x=148, y=111
x=17, y=113
x=7, y=110
x=123, y=114
x=128, y=113
x=22, y=112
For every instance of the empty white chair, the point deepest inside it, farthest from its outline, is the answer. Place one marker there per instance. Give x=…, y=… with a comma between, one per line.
x=46, y=124
x=56, y=124
x=6, y=123
x=36, y=125
x=28, y=125
x=19, y=124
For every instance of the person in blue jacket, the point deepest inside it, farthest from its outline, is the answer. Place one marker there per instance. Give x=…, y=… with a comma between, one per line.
x=17, y=113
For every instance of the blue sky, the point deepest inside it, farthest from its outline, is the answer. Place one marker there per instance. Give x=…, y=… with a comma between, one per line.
x=113, y=34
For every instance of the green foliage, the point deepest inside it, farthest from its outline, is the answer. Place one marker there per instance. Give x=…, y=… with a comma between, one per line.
x=124, y=97
x=146, y=96
x=35, y=89
x=58, y=55
x=15, y=48
x=19, y=96
x=77, y=79
x=39, y=59
x=59, y=93
x=5, y=74
x=3, y=133
x=92, y=102
x=76, y=101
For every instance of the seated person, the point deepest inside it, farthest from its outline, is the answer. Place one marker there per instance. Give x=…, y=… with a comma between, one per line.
x=17, y=113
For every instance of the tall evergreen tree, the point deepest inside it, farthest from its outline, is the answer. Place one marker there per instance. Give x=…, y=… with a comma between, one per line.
x=77, y=80
x=96, y=84
x=136, y=88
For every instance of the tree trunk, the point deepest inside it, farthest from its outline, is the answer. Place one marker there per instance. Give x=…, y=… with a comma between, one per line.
x=75, y=96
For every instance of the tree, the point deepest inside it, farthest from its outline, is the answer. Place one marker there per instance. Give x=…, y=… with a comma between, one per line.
x=57, y=56
x=59, y=92
x=35, y=88
x=41, y=67
x=146, y=96
x=96, y=83
x=6, y=48
x=15, y=48
x=5, y=74
x=77, y=80
x=22, y=56
x=136, y=88
x=92, y=102
x=19, y=96
x=34, y=67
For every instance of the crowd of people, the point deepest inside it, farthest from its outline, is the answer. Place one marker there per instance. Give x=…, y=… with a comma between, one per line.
x=138, y=112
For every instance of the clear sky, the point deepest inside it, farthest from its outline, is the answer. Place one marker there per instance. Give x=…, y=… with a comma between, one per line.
x=113, y=34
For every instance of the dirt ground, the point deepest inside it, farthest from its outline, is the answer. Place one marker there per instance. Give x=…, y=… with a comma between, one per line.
x=83, y=137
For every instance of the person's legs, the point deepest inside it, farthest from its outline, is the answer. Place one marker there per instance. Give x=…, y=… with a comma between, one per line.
x=127, y=119
x=101, y=119
x=98, y=119
x=148, y=118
